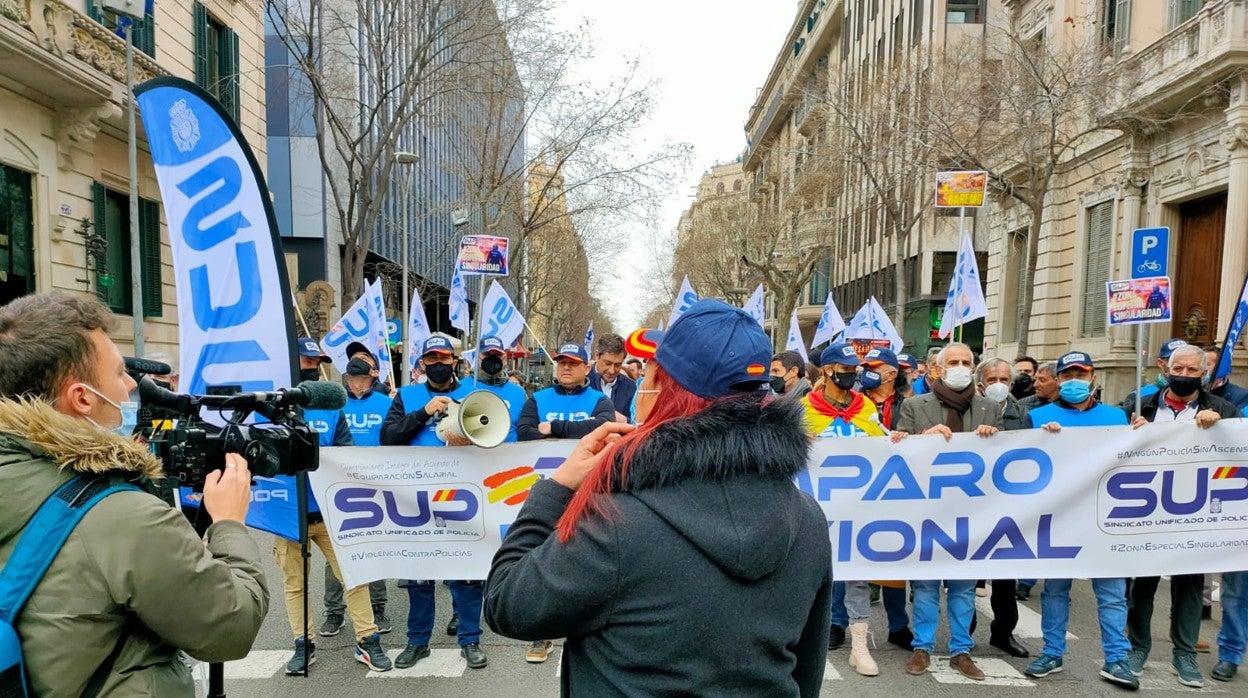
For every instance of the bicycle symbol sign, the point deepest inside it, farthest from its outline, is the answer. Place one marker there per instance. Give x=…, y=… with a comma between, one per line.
x=1150, y=252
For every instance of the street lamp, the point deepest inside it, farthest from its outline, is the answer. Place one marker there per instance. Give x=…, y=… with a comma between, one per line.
x=406, y=158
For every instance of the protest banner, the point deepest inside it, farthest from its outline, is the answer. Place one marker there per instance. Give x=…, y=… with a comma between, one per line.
x=482, y=254
x=1138, y=301
x=960, y=189
x=1088, y=502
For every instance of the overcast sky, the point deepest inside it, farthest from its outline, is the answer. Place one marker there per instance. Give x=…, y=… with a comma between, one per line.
x=711, y=57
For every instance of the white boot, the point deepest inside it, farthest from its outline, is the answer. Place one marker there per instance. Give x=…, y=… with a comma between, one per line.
x=859, y=656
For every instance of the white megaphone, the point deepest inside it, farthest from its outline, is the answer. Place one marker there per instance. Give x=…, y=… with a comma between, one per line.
x=481, y=417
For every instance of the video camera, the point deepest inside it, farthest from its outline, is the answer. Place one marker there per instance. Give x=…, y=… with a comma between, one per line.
x=190, y=447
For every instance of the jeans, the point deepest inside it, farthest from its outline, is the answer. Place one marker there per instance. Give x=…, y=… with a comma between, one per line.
x=851, y=603
x=1186, y=592
x=467, y=597
x=1234, y=631
x=1004, y=608
x=1111, y=611
x=895, y=608
x=333, y=593
x=961, y=607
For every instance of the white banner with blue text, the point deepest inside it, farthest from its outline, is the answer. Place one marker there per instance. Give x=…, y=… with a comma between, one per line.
x=1087, y=502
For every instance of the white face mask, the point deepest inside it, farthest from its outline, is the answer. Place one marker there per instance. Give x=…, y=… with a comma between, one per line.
x=997, y=392
x=957, y=377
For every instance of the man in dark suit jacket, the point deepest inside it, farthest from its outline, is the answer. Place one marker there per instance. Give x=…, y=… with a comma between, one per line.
x=608, y=377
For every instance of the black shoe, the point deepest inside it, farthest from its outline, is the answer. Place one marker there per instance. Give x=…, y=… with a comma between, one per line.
x=305, y=656
x=1224, y=671
x=452, y=628
x=474, y=655
x=836, y=638
x=381, y=620
x=332, y=625
x=410, y=655
x=1023, y=592
x=1206, y=612
x=1010, y=645
x=902, y=638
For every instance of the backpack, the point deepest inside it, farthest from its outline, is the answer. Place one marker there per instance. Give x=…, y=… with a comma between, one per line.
x=37, y=546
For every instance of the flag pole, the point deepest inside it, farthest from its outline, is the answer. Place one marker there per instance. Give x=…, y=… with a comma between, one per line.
x=956, y=335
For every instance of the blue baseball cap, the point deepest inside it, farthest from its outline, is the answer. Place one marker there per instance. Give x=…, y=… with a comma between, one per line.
x=714, y=350
x=572, y=351
x=1075, y=359
x=437, y=345
x=907, y=360
x=492, y=344
x=879, y=355
x=840, y=353
x=1169, y=346
x=309, y=348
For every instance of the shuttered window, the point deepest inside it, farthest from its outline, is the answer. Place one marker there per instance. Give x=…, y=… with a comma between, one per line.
x=113, y=273
x=216, y=60
x=1099, y=243
x=144, y=29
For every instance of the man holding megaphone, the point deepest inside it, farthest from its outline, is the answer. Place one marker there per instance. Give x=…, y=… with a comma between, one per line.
x=412, y=419
x=491, y=355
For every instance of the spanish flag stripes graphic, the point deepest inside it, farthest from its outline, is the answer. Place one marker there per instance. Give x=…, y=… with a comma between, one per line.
x=511, y=486
x=1227, y=472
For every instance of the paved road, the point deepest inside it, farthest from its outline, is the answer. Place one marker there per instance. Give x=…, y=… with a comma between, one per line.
x=444, y=674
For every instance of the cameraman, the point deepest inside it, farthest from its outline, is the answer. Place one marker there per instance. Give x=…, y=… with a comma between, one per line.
x=133, y=584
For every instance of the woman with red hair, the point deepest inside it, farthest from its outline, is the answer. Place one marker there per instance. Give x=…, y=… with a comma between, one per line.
x=677, y=557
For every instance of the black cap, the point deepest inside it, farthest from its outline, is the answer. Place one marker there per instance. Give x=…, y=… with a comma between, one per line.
x=356, y=347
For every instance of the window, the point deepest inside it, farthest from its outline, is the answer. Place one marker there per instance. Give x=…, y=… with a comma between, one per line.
x=1116, y=27
x=736, y=185
x=17, y=222
x=1183, y=10
x=719, y=188
x=216, y=60
x=113, y=273
x=1012, y=284
x=1096, y=269
x=144, y=29
x=819, y=283
x=964, y=12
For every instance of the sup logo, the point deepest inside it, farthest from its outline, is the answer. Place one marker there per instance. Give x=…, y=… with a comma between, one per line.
x=411, y=512
x=1134, y=499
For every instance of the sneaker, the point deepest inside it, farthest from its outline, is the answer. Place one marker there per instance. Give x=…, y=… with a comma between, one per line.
x=305, y=656
x=1022, y=592
x=1120, y=673
x=332, y=625
x=1189, y=674
x=1044, y=665
x=538, y=652
x=452, y=628
x=836, y=637
x=1224, y=671
x=381, y=620
x=1136, y=659
x=902, y=638
x=964, y=665
x=474, y=655
x=369, y=652
x=410, y=655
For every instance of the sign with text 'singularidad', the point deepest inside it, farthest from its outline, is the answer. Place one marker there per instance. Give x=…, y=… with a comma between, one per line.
x=483, y=254
x=960, y=189
x=1138, y=301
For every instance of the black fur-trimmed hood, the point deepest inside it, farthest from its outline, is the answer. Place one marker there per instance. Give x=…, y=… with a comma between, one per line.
x=723, y=478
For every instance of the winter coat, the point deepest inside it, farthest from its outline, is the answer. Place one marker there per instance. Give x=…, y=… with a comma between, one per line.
x=132, y=572
x=1014, y=416
x=622, y=391
x=711, y=575
x=1204, y=401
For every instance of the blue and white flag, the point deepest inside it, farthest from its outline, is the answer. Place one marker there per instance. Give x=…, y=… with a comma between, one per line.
x=458, y=305
x=417, y=330
x=358, y=324
x=684, y=299
x=794, y=342
x=965, y=300
x=754, y=307
x=871, y=322
x=589, y=339
x=830, y=324
x=235, y=319
x=380, y=343
x=1232, y=334
x=501, y=319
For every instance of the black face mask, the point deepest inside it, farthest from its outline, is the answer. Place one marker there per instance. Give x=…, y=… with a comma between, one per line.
x=491, y=365
x=1183, y=386
x=440, y=374
x=1023, y=386
x=901, y=382
x=845, y=381
x=778, y=385
x=309, y=374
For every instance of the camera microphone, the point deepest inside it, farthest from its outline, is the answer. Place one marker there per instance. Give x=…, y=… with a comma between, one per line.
x=147, y=367
x=313, y=395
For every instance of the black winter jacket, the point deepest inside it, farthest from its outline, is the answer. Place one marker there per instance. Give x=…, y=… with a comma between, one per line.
x=1205, y=401
x=711, y=576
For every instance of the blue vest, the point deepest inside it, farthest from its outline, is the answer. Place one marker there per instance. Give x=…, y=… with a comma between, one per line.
x=511, y=394
x=364, y=418
x=553, y=407
x=1097, y=416
x=324, y=423
x=415, y=397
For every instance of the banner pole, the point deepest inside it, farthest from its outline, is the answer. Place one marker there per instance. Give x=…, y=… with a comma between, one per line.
x=1139, y=366
x=476, y=374
x=956, y=335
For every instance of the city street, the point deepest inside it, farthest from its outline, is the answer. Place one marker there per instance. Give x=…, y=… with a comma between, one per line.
x=444, y=673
